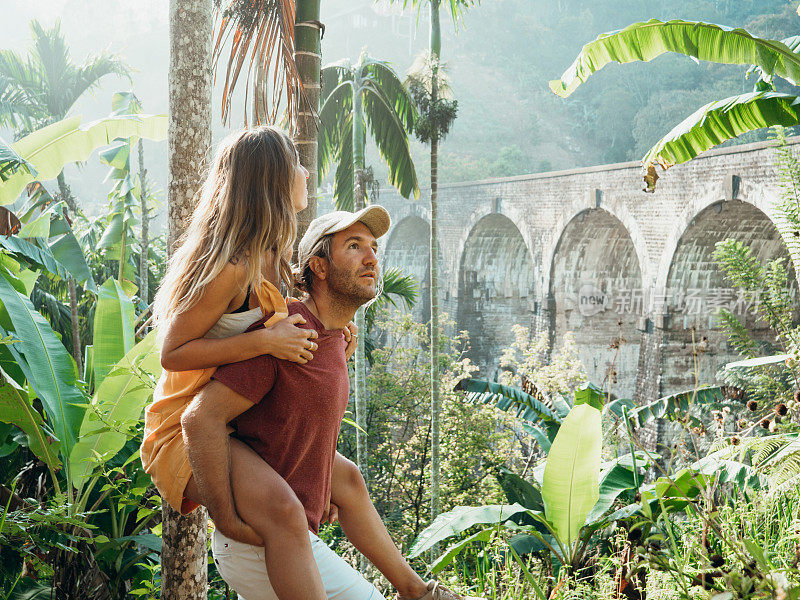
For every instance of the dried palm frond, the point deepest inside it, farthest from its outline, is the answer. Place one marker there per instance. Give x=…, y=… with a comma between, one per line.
x=261, y=34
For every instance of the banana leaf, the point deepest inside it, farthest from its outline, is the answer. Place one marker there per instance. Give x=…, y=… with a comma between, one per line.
x=702, y=41
x=15, y=408
x=459, y=520
x=113, y=328
x=484, y=535
x=730, y=471
x=66, y=249
x=41, y=257
x=613, y=482
x=519, y=491
x=718, y=122
x=758, y=362
x=589, y=394
x=49, y=149
x=505, y=397
x=47, y=366
x=117, y=405
x=672, y=406
x=570, y=483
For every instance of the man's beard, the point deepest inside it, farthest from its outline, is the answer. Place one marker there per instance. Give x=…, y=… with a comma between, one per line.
x=345, y=289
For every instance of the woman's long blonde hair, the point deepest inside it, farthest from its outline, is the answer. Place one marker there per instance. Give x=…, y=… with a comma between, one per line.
x=245, y=209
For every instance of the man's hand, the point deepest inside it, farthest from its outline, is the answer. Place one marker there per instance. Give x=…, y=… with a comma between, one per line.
x=351, y=337
x=331, y=514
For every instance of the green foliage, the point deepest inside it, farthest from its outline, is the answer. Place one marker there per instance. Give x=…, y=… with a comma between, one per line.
x=436, y=116
x=388, y=111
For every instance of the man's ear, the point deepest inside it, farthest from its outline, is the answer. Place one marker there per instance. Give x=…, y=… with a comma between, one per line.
x=318, y=266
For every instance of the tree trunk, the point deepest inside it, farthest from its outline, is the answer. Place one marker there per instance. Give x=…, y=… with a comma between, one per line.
x=435, y=48
x=359, y=202
x=77, y=354
x=144, y=276
x=308, y=60
x=184, y=570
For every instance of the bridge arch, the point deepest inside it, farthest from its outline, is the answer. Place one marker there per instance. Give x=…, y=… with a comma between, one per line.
x=596, y=293
x=408, y=248
x=694, y=287
x=496, y=287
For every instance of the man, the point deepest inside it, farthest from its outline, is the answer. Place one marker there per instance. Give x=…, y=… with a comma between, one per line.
x=290, y=415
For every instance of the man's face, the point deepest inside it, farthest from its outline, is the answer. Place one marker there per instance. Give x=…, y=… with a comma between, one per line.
x=353, y=267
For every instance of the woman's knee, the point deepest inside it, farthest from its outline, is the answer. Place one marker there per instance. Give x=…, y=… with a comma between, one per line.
x=349, y=480
x=281, y=508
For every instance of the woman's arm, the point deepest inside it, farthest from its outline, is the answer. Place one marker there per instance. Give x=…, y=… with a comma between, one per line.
x=184, y=347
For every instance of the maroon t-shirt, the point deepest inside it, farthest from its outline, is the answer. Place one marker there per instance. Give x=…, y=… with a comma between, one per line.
x=296, y=414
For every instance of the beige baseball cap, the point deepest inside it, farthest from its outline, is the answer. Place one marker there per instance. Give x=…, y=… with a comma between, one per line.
x=373, y=216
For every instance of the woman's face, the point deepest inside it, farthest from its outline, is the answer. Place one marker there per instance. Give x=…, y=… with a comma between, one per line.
x=299, y=191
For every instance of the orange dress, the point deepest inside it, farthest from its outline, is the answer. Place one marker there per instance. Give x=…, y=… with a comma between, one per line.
x=163, y=451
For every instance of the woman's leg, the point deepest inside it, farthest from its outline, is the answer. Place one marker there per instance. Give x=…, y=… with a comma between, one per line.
x=363, y=526
x=267, y=504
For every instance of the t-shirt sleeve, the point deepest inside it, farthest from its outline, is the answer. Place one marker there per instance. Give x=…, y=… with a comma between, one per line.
x=251, y=378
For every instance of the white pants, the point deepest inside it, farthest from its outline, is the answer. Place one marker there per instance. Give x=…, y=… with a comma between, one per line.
x=242, y=567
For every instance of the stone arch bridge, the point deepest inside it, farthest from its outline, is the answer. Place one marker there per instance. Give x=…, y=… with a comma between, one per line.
x=586, y=251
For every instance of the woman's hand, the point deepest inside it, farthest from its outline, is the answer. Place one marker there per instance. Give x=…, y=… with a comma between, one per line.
x=286, y=341
x=351, y=337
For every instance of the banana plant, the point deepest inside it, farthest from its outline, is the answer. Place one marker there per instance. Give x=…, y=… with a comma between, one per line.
x=719, y=120
x=570, y=489
x=125, y=194
x=574, y=496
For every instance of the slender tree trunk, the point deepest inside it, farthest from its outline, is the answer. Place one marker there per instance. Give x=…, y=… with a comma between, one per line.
x=436, y=408
x=184, y=569
x=359, y=201
x=144, y=276
x=308, y=59
x=66, y=196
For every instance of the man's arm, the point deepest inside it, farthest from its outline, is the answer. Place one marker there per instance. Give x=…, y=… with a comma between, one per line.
x=208, y=445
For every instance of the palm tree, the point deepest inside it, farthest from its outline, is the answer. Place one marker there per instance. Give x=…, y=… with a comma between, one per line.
x=717, y=121
x=42, y=89
x=281, y=39
x=356, y=96
x=184, y=557
x=437, y=114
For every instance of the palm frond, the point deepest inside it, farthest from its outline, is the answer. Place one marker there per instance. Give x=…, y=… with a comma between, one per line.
x=338, y=105
x=21, y=93
x=344, y=180
x=456, y=8
x=11, y=162
x=392, y=89
x=392, y=140
x=261, y=33
x=533, y=408
x=738, y=336
x=87, y=76
x=396, y=288
x=332, y=75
